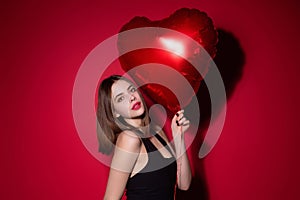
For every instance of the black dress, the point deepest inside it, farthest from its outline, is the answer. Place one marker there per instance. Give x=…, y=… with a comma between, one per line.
x=156, y=181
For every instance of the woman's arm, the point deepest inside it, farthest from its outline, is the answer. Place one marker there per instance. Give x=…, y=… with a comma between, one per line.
x=179, y=125
x=125, y=155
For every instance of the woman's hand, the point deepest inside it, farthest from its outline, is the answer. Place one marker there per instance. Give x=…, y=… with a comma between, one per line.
x=179, y=123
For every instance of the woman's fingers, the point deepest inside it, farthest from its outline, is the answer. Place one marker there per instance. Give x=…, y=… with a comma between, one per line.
x=177, y=116
x=180, y=119
x=179, y=112
x=182, y=122
x=185, y=123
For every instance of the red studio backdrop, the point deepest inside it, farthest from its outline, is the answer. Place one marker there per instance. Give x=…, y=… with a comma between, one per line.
x=42, y=48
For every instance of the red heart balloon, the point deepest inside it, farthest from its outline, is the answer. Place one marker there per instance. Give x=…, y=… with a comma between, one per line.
x=193, y=23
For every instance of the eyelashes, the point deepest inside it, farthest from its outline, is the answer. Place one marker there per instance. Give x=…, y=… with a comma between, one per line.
x=133, y=89
x=120, y=99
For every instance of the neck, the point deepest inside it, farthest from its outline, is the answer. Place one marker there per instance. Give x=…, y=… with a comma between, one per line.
x=138, y=124
x=134, y=122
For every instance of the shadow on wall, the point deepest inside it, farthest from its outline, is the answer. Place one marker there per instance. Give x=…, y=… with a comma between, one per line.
x=230, y=60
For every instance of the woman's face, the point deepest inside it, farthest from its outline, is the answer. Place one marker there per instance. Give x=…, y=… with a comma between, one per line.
x=126, y=101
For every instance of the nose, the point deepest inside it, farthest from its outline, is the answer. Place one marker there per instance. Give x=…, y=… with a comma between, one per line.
x=132, y=97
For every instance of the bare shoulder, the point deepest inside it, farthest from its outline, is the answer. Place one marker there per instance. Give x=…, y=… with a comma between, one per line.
x=129, y=141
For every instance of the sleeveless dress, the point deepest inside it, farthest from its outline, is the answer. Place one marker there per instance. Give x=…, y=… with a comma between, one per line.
x=156, y=181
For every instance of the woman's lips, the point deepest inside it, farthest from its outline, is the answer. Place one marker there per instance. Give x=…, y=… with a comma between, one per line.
x=136, y=106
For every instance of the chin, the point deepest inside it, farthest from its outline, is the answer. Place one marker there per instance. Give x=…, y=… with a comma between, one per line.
x=139, y=114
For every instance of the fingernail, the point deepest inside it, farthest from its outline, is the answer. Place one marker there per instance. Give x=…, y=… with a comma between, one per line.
x=177, y=114
x=177, y=123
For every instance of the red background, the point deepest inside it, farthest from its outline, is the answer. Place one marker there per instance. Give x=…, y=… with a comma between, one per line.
x=43, y=45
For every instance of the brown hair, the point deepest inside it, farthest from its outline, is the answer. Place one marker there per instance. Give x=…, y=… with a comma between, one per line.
x=109, y=126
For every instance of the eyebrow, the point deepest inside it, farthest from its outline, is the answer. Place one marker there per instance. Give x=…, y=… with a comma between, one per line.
x=122, y=92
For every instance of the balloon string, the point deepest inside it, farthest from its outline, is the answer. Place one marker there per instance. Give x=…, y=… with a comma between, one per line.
x=179, y=155
x=178, y=152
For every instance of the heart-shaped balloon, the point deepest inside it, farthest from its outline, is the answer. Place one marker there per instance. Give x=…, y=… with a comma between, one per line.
x=192, y=22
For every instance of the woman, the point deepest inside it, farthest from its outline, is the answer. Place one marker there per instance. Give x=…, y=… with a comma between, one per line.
x=143, y=162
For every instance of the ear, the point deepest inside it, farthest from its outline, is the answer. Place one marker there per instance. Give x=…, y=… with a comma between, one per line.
x=115, y=114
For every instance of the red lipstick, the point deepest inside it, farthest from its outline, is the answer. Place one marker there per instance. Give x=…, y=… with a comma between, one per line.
x=136, y=106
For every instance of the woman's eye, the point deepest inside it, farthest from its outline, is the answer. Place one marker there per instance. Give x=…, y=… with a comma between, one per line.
x=133, y=89
x=120, y=99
